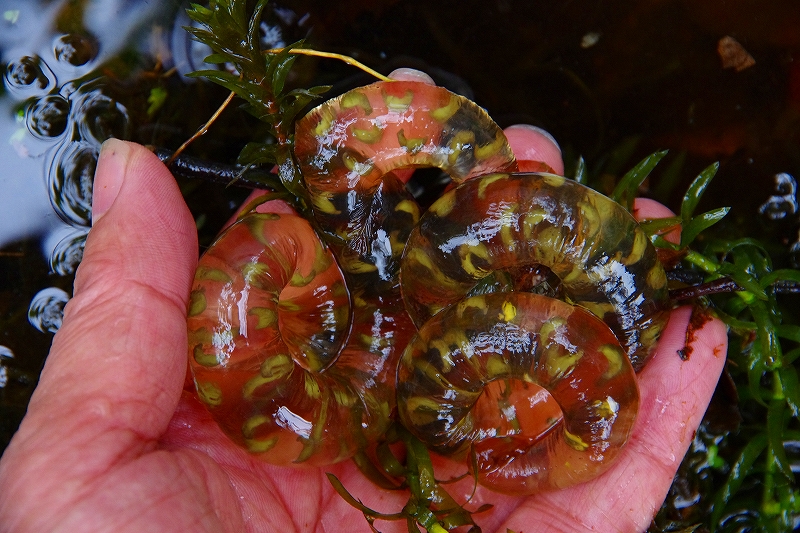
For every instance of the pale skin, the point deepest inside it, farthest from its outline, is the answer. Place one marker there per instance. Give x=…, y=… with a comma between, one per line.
x=114, y=441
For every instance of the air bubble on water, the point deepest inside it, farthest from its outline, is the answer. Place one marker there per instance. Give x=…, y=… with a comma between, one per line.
x=74, y=49
x=47, y=309
x=29, y=75
x=98, y=117
x=47, y=117
x=784, y=201
x=70, y=178
x=187, y=53
x=6, y=353
x=271, y=36
x=68, y=252
x=794, y=252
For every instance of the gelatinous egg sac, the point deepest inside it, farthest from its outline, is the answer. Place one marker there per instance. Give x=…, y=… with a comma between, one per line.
x=472, y=381
x=304, y=346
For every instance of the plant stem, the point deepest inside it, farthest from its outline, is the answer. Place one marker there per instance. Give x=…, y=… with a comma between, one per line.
x=330, y=55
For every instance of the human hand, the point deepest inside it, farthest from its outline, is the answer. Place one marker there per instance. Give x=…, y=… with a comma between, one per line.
x=114, y=441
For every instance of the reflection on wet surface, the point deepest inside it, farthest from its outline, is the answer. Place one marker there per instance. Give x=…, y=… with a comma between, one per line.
x=47, y=309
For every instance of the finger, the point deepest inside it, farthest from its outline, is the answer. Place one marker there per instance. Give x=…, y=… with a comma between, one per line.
x=674, y=395
x=645, y=208
x=116, y=366
x=280, y=207
x=411, y=74
x=532, y=145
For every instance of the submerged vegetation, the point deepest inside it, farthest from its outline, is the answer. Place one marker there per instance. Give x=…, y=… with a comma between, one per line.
x=739, y=473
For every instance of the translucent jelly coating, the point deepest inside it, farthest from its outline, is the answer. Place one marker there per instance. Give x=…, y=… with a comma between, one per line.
x=502, y=222
x=272, y=350
x=348, y=146
x=472, y=377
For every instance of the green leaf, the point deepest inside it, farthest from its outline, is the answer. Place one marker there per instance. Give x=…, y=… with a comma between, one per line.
x=788, y=331
x=790, y=387
x=258, y=154
x=699, y=223
x=253, y=32
x=739, y=471
x=628, y=186
x=388, y=461
x=291, y=110
x=670, y=177
x=790, y=356
x=215, y=75
x=727, y=246
x=198, y=11
x=743, y=278
x=370, y=471
x=776, y=423
x=660, y=242
x=289, y=173
x=346, y=496
x=280, y=66
x=783, y=274
x=156, y=99
x=756, y=367
x=316, y=91
x=766, y=335
x=741, y=327
x=704, y=262
x=696, y=190
x=657, y=226
x=215, y=59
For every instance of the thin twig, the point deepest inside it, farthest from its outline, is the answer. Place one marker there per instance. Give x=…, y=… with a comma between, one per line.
x=331, y=55
x=202, y=130
x=704, y=289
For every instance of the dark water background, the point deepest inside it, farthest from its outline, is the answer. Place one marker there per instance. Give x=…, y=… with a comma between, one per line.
x=611, y=80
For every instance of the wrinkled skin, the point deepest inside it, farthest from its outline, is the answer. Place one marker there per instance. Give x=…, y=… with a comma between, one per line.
x=113, y=441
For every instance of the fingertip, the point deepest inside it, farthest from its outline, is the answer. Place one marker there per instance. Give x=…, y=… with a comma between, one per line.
x=647, y=208
x=676, y=385
x=115, y=369
x=692, y=345
x=109, y=175
x=140, y=221
x=531, y=144
x=533, y=132
x=411, y=74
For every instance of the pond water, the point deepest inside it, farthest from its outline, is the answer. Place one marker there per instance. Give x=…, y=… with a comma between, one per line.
x=613, y=81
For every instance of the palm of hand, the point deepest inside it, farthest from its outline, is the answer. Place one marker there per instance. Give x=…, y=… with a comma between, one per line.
x=111, y=440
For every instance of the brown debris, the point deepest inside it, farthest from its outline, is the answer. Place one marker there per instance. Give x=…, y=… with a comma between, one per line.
x=733, y=54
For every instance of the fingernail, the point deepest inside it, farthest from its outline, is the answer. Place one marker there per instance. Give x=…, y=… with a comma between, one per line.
x=111, y=167
x=411, y=74
x=540, y=131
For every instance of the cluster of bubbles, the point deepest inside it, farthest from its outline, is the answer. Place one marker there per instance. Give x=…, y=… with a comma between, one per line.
x=781, y=205
x=5, y=355
x=73, y=118
x=68, y=111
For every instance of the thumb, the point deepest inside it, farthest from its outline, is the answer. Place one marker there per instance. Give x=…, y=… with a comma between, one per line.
x=116, y=366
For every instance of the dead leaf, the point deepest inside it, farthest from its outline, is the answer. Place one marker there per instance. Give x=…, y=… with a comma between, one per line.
x=733, y=54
